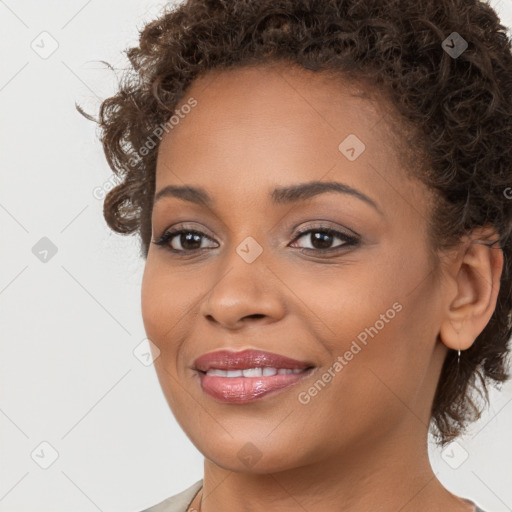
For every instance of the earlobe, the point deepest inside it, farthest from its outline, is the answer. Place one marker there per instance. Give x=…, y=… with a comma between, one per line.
x=476, y=275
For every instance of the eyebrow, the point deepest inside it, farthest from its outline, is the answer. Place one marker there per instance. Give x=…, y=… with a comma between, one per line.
x=282, y=195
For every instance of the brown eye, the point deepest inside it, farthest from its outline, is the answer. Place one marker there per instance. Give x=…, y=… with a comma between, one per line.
x=321, y=239
x=183, y=240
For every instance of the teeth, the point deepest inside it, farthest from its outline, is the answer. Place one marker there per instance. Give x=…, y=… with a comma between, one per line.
x=234, y=373
x=217, y=373
x=252, y=372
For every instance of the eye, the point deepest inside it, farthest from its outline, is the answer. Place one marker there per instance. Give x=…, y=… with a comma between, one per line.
x=189, y=240
x=322, y=238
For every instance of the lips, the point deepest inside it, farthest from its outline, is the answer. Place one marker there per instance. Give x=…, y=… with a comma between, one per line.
x=243, y=377
x=246, y=359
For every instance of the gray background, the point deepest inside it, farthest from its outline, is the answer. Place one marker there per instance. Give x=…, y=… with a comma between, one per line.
x=73, y=394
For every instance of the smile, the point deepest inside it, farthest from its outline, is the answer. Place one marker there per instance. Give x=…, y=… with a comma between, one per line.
x=245, y=376
x=267, y=371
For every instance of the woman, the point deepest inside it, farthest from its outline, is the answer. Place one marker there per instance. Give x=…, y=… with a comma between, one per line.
x=322, y=194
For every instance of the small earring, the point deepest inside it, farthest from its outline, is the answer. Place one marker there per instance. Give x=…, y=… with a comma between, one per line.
x=458, y=356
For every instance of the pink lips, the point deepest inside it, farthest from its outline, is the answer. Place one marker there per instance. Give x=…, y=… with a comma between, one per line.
x=247, y=389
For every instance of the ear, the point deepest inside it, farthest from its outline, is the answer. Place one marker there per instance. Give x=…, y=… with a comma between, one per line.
x=474, y=285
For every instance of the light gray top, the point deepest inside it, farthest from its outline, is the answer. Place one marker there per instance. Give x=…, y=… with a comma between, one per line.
x=181, y=501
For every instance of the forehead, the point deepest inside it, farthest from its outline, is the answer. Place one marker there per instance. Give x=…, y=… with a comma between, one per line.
x=283, y=94
x=274, y=123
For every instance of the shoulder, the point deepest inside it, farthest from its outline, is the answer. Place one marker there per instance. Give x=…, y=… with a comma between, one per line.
x=477, y=508
x=179, y=502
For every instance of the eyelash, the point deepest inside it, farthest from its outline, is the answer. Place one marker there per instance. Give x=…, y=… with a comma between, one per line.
x=348, y=240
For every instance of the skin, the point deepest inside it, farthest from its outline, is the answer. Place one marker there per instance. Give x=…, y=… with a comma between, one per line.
x=255, y=129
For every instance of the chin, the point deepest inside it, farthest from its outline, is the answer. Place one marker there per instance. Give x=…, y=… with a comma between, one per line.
x=243, y=456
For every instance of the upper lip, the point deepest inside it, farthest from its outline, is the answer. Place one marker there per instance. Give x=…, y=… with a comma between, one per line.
x=231, y=360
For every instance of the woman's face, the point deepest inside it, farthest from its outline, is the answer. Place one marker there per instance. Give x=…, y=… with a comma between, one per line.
x=365, y=314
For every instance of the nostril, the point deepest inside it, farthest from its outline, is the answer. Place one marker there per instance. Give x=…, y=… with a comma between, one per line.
x=256, y=315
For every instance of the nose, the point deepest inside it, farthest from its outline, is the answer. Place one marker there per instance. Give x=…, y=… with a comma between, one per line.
x=244, y=293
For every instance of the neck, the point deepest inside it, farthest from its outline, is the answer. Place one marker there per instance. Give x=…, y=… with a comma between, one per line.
x=393, y=476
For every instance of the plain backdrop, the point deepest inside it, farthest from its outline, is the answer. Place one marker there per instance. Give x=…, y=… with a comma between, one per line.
x=84, y=424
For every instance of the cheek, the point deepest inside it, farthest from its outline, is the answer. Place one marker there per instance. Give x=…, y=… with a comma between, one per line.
x=162, y=304
x=169, y=298
x=151, y=307
x=374, y=319
x=372, y=384
x=342, y=300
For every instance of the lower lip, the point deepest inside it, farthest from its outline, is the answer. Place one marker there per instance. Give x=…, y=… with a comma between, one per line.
x=241, y=390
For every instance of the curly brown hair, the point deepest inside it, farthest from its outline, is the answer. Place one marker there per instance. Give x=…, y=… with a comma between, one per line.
x=454, y=110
